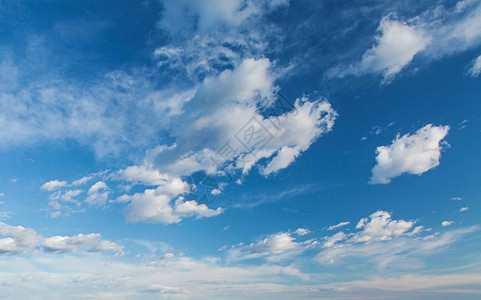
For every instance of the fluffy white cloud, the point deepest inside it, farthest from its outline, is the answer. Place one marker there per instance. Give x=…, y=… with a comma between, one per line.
x=18, y=239
x=98, y=194
x=53, y=185
x=91, y=242
x=475, y=69
x=396, y=46
x=412, y=153
x=437, y=32
x=447, y=223
x=222, y=106
x=155, y=206
x=302, y=231
x=462, y=209
x=380, y=227
x=332, y=240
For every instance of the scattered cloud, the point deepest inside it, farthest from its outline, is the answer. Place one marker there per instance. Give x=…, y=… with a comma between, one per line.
x=276, y=247
x=98, y=194
x=396, y=45
x=155, y=206
x=412, y=153
x=53, y=185
x=386, y=243
x=332, y=227
x=462, y=209
x=18, y=240
x=302, y=231
x=437, y=32
x=447, y=223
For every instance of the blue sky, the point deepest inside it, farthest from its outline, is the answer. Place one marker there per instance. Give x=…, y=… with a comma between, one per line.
x=240, y=149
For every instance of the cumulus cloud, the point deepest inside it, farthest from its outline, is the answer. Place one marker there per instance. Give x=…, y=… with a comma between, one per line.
x=155, y=206
x=53, y=185
x=462, y=209
x=396, y=46
x=302, y=231
x=219, y=110
x=412, y=153
x=18, y=239
x=437, y=32
x=91, y=242
x=98, y=194
x=447, y=223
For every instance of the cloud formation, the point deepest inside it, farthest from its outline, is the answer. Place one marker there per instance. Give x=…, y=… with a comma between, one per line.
x=396, y=45
x=385, y=242
x=412, y=153
x=18, y=239
x=475, y=69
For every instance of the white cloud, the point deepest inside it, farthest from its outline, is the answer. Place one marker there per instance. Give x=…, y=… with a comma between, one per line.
x=281, y=246
x=456, y=198
x=284, y=157
x=332, y=240
x=412, y=153
x=53, y=185
x=437, y=32
x=142, y=175
x=475, y=69
x=155, y=206
x=81, y=181
x=447, y=223
x=332, y=227
x=98, y=194
x=380, y=227
x=219, y=109
x=18, y=239
x=67, y=195
x=462, y=209
x=385, y=242
x=91, y=242
x=396, y=47
x=302, y=231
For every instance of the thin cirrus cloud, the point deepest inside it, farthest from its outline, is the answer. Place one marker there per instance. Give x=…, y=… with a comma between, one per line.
x=341, y=224
x=414, y=153
x=475, y=69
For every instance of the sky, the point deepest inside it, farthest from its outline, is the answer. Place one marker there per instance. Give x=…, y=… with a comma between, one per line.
x=241, y=149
